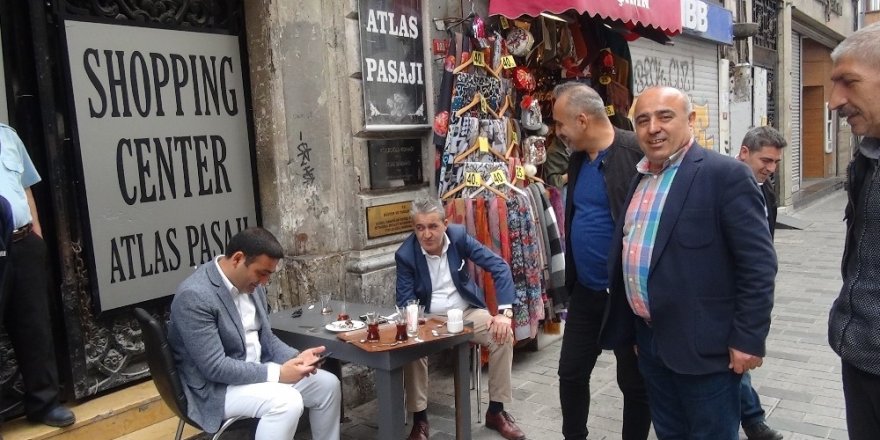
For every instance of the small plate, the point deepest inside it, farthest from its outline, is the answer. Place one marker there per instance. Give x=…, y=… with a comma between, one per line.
x=344, y=326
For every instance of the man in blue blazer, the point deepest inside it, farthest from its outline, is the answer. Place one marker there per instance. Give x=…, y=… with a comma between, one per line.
x=692, y=272
x=431, y=268
x=231, y=363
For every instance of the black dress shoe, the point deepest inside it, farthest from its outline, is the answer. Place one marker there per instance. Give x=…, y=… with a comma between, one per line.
x=760, y=431
x=58, y=417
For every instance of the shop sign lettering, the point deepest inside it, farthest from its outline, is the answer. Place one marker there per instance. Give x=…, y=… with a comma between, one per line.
x=164, y=151
x=393, y=69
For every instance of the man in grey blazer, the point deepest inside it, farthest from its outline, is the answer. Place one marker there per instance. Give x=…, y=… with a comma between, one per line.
x=229, y=360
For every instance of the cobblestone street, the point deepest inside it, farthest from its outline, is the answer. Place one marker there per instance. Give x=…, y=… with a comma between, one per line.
x=799, y=383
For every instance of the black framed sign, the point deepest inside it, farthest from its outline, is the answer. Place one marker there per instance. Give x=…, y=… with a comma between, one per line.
x=395, y=162
x=393, y=64
x=164, y=150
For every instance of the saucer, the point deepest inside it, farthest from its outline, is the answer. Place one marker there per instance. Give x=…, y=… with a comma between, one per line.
x=345, y=326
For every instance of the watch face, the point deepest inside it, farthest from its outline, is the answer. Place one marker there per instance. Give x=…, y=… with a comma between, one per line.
x=508, y=313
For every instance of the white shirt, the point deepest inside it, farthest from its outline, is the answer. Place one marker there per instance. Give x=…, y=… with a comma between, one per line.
x=247, y=310
x=444, y=295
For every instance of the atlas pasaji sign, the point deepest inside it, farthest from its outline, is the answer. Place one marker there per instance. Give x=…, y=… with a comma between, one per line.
x=393, y=64
x=164, y=151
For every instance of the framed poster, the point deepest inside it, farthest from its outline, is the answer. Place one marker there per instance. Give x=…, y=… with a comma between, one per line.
x=393, y=64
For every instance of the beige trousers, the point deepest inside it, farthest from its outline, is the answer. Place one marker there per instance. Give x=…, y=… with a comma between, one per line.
x=415, y=374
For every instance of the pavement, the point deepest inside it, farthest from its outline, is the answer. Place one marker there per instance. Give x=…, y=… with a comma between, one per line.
x=799, y=383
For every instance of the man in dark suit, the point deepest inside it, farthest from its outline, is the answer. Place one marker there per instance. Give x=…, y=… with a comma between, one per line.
x=693, y=274
x=431, y=268
x=761, y=150
x=231, y=363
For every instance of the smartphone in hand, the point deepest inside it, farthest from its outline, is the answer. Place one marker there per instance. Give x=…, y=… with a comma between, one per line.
x=321, y=358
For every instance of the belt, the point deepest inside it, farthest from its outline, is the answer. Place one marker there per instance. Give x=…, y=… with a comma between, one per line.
x=22, y=232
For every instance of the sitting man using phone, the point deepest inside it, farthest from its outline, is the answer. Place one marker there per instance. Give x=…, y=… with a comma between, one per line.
x=231, y=363
x=431, y=269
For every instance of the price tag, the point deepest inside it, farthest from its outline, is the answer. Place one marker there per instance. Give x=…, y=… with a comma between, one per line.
x=609, y=110
x=520, y=173
x=504, y=23
x=484, y=105
x=484, y=144
x=514, y=137
x=499, y=177
x=473, y=179
x=522, y=24
x=479, y=58
x=508, y=62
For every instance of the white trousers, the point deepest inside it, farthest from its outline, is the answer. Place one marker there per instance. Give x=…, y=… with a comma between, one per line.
x=279, y=406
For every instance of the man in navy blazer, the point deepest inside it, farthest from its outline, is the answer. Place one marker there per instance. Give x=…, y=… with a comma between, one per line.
x=231, y=363
x=692, y=272
x=431, y=268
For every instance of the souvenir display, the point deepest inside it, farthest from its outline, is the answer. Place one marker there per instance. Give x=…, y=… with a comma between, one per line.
x=493, y=125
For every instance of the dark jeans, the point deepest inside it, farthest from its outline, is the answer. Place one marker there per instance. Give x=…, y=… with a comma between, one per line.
x=751, y=411
x=580, y=349
x=28, y=322
x=861, y=392
x=683, y=406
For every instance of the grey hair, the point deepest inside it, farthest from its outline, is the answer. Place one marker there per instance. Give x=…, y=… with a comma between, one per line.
x=427, y=205
x=760, y=137
x=581, y=99
x=862, y=45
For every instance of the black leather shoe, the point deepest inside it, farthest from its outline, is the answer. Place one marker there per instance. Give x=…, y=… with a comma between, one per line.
x=760, y=431
x=58, y=417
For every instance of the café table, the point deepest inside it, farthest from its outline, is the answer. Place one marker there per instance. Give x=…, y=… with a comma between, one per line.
x=308, y=330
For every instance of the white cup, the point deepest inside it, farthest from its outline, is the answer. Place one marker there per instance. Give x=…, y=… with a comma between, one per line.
x=455, y=326
x=454, y=315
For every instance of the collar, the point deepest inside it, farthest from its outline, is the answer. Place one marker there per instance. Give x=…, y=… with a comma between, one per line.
x=870, y=147
x=442, y=252
x=644, y=167
x=229, y=287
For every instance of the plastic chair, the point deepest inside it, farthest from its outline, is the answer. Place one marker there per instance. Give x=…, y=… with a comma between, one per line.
x=165, y=375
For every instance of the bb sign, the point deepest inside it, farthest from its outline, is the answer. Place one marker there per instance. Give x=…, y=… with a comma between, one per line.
x=165, y=153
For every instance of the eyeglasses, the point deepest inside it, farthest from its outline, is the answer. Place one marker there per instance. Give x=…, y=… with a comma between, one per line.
x=297, y=313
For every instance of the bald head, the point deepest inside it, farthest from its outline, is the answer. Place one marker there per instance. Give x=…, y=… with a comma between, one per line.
x=664, y=120
x=581, y=121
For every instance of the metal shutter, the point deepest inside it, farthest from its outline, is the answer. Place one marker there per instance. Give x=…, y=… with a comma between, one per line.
x=690, y=65
x=795, y=141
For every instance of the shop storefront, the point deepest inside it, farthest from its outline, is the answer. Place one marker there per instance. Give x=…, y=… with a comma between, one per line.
x=691, y=64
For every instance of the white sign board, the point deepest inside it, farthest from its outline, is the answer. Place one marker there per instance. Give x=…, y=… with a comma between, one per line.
x=163, y=142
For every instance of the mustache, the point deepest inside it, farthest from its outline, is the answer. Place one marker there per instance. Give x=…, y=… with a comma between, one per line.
x=846, y=112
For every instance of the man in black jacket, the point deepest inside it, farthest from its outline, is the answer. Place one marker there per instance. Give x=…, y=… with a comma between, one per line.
x=855, y=315
x=601, y=167
x=761, y=150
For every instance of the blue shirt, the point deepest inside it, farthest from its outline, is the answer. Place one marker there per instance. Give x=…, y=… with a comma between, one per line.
x=591, y=225
x=17, y=173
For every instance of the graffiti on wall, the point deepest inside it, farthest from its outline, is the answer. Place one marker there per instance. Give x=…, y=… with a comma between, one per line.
x=653, y=70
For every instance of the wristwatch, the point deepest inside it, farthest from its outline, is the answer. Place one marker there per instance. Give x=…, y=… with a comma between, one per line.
x=508, y=313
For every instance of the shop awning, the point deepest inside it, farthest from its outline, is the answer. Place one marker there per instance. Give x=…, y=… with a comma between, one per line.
x=664, y=15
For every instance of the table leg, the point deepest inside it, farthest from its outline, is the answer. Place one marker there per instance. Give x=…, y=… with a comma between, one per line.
x=462, y=392
x=389, y=387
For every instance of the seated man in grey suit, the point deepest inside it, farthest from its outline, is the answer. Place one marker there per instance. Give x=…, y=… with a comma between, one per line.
x=229, y=360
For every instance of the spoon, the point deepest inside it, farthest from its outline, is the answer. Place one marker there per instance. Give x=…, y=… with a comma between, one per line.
x=437, y=334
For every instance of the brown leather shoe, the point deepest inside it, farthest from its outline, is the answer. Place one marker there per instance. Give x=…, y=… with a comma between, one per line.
x=503, y=422
x=419, y=431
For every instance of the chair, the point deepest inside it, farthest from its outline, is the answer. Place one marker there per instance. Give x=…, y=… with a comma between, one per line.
x=165, y=375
